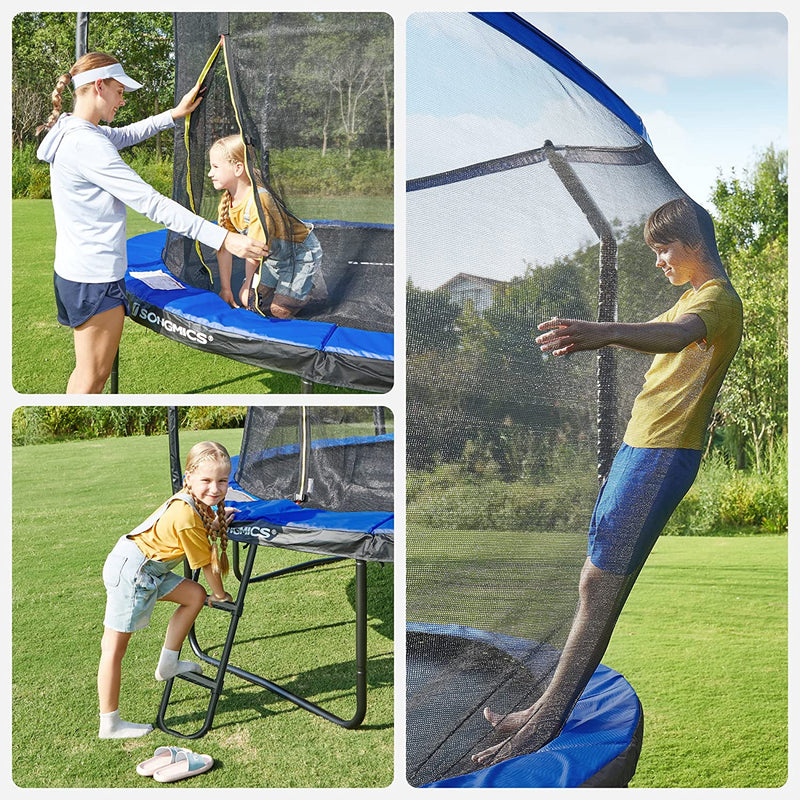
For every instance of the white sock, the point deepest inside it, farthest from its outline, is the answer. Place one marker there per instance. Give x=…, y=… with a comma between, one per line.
x=169, y=666
x=112, y=727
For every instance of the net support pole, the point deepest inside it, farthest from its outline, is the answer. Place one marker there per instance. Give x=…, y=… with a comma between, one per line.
x=81, y=34
x=606, y=306
x=379, y=418
x=175, y=471
x=81, y=48
x=305, y=455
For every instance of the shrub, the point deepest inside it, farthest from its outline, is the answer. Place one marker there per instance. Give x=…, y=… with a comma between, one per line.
x=726, y=501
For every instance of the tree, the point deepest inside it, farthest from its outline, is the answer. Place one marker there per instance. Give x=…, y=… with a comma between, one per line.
x=43, y=47
x=752, y=232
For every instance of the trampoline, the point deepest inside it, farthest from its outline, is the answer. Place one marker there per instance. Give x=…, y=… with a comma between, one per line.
x=255, y=85
x=546, y=178
x=313, y=480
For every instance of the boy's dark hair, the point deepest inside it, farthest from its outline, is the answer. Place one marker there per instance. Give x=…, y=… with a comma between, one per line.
x=682, y=220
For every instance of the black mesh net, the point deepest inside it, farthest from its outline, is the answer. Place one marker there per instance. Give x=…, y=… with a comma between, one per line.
x=288, y=83
x=337, y=459
x=526, y=200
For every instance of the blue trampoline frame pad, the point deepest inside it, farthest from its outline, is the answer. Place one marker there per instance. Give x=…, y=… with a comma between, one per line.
x=362, y=535
x=321, y=352
x=598, y=736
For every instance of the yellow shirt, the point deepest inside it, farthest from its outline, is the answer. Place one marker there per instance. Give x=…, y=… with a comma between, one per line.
x=674, y=407
x=178, y=532
x=281, y=225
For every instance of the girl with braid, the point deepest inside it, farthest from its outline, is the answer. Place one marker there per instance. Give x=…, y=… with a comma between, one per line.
x=288, y=272
x=193, y=525
x=91, y=186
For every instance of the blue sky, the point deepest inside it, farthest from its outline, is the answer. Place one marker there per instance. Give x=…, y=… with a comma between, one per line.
x=711, y=87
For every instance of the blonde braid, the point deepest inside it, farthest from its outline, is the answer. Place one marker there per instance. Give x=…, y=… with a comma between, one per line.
x=222, y=520
x=61, y=84
x=203, y=451
x=224, y=211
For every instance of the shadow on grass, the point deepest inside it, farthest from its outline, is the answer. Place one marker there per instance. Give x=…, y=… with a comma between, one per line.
x=322, y=685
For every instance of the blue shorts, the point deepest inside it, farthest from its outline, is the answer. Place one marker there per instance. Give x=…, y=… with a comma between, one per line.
x=78, y=302
x=643, y=488
x=133, y=585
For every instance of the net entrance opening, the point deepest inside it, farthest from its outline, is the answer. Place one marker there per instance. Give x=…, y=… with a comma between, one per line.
x=299, y=89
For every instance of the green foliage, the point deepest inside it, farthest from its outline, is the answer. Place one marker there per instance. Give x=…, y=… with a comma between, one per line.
x=307, y=171
x=151, y=169
x=480, y=498
x=753, y=208
x=43, y=47
x=727, y=501
x=30, y=177
x=753, y=234
x=40, y=424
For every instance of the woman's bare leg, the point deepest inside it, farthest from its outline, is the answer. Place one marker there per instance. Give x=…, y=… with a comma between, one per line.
x=96, y=343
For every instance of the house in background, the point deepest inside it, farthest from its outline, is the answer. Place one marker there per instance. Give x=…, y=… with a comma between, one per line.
x=480, y=291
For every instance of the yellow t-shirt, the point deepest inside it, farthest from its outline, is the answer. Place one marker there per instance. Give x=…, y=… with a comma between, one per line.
x=178, y=532
x=675, y=404
x=244, y=218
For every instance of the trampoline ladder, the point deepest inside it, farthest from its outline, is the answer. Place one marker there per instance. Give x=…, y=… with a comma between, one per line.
x=215, y=685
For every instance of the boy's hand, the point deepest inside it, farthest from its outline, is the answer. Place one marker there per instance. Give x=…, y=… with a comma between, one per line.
x=572, y=335
x=189, y=102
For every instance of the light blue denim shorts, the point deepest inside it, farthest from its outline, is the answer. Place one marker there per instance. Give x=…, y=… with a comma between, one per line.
x=290, y=268
x=133, y=585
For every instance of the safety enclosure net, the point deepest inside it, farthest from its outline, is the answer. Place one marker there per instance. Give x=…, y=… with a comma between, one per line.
x=529, y=183
x=288, y=83
x=337, y=459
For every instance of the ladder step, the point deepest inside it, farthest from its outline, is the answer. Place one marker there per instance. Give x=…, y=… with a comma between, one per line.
x=197, y=678
x=224, y=605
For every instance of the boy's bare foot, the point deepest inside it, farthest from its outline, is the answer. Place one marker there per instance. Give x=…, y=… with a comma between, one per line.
x=523, y=731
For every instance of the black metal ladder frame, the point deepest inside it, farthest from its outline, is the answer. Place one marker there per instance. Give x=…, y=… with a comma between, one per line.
x=236, y=608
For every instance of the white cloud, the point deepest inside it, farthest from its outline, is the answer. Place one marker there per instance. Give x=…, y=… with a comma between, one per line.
x=644, y=48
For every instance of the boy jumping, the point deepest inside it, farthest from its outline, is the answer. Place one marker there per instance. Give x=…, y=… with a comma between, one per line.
x=694, y=343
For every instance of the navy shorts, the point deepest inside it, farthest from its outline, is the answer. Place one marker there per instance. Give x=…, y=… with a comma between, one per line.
x=79, y=302
x=643, y=488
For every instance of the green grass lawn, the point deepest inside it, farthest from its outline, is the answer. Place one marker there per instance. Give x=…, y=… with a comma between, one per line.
x=42, y=354
x=703, y=640
x=71, y=501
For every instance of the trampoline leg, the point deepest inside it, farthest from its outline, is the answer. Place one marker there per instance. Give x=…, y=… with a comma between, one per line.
x=114, y=377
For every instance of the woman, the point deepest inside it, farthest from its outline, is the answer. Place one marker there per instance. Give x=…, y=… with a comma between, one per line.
x=91, y=186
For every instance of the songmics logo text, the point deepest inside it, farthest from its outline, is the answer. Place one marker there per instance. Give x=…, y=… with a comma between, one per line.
x=153, y=318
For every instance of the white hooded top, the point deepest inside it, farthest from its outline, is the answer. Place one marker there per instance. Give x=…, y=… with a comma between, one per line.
x=90, y=185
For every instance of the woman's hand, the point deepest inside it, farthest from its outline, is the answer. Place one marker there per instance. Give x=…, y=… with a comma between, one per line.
x=244, y=247
x=189, y=102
